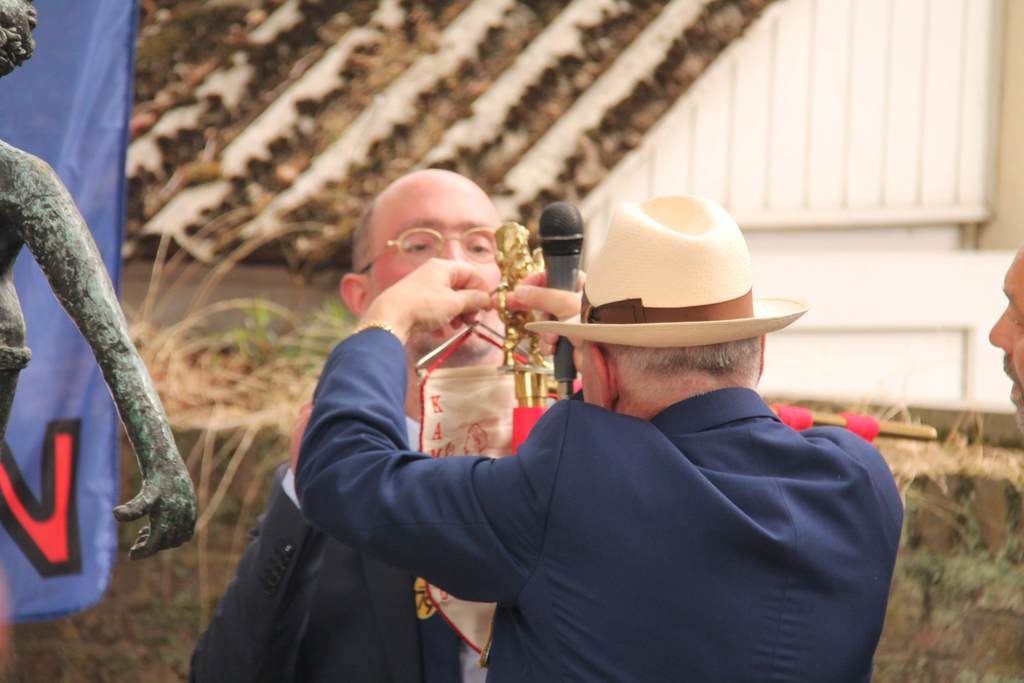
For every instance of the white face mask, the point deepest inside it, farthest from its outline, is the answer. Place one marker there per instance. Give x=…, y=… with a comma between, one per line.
x=466, y=411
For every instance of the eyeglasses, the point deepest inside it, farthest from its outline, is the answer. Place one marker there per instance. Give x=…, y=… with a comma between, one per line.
x=421, y=244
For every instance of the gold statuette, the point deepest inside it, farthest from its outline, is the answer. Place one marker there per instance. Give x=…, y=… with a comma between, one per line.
x=516, y=261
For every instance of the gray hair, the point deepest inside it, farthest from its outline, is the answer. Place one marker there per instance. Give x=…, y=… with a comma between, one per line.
x=735, y=361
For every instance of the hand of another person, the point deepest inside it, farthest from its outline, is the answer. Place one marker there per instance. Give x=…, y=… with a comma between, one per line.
x=301, y=422
x=435, y=294
x=533, y=294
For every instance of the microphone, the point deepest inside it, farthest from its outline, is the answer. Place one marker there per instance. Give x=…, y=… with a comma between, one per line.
x=561, y=241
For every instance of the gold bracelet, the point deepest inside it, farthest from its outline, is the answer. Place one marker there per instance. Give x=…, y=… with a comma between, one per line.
x=375, y=324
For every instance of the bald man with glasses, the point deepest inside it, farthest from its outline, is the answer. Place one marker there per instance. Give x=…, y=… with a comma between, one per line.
x=306, y=608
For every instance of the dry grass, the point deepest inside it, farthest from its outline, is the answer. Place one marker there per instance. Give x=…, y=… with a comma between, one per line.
x=964, y=449
x=249, y=376
x=240, y=364
x=914, y=460
x=232, y=375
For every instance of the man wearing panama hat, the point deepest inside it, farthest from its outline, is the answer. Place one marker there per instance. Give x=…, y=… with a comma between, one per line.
x=666, y=527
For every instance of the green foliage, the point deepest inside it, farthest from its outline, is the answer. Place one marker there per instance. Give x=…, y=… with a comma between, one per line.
x=257, y=337
x=267, y=332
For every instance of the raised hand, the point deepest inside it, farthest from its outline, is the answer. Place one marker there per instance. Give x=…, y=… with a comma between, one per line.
x=435, y=294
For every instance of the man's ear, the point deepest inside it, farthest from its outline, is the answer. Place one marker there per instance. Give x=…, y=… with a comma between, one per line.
x=605, y=393
x=355, y=292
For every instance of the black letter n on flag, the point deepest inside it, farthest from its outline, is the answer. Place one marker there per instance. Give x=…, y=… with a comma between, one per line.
x=46, y=530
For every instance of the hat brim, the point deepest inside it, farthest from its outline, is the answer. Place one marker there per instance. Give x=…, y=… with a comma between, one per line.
x=770, y=315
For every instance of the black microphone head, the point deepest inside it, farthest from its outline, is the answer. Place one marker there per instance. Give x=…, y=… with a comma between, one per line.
x=561, y=229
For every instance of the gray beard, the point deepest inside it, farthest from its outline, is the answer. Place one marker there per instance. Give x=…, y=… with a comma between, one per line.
x=1017, y=392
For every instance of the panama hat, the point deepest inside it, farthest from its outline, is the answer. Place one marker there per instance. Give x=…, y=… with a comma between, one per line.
x=673, y=272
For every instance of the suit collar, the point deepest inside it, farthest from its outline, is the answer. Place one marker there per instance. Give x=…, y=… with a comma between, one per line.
x=712, y=409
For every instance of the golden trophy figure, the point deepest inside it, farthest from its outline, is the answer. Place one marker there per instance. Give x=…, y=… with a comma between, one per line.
x=516, y=261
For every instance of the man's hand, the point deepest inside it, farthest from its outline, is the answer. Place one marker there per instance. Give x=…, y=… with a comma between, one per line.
x=435, y=294
x=533, y=294
x=297, y=433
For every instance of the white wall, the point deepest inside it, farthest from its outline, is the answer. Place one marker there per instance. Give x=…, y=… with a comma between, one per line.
x=1006, y=231
x=866, y=112
x=893, y=327
x=853, y=140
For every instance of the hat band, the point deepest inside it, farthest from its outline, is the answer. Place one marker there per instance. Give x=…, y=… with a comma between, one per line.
x=632, y=311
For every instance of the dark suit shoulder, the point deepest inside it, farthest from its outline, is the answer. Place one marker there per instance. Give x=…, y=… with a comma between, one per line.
x=259, y=622
x=854, y=446
x=861, y=454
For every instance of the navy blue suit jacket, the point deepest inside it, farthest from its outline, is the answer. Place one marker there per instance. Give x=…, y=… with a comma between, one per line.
x=712, y=543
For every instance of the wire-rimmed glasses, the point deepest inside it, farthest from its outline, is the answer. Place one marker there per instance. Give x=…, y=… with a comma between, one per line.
x=421, y=244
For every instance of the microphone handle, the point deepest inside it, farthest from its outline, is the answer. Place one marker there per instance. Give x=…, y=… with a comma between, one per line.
x=562, y=273
x=565, y=368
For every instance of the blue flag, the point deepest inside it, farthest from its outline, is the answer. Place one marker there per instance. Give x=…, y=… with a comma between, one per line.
x=69, y=105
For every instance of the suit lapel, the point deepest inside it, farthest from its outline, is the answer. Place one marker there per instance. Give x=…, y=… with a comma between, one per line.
x=391, y=593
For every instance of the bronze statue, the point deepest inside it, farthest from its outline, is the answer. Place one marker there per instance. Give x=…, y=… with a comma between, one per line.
x=37, y=211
